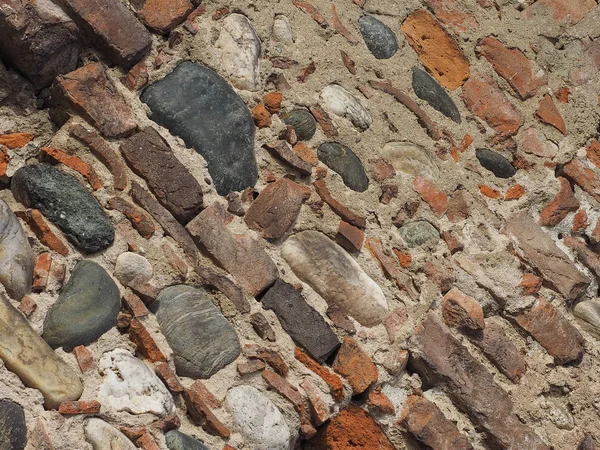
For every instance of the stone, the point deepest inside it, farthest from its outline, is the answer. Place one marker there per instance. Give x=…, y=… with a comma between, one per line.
x=534, y=142
x=301, y=321
x=129, y=385
x=86, y=308
x=587, y=314
x=334, y=275
x=112, y=28
x=28, y=356
x=215, y=122
x=130, y=266
x=418, y=233
x=344, y=161
x=282, y=30
x=103, y=436
x=380, y=39
x=16, y=256
x=354, y=365
x=89, y=92
x=438, y=51
x=240, y=52
x=549, y=114
x=563, y=203
x=39, y=39
x=303, y=122
x=495, y=163
x=176, y=440
x=276, y=208
x=262, y=327
x=214, y=343
x=411, y=159
x=342, y=103
x=13, y=429
x=428, y=89
x=462, y=310
x=539, y=250
x=162, y=16
x=257, y=419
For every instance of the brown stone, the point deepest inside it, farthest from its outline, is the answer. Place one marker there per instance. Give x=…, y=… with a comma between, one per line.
x=144, y=342
x=202, y=415
x=379, y=401
x=563, y=203
x=355, y=365
x=333, y=381
x=218, y=279
x=84, y=357
x=262, y=327
x=340, y=319
x=40, y=228
x=41, y=271
x=582, y=176
x=345, y=213
x=169, y=377
x=587, y=443
x=549, y=114
x=79, y=407
x=162, y=15
x=461, y=310
x=75, y=163
x=349, y=237
x=271, y=357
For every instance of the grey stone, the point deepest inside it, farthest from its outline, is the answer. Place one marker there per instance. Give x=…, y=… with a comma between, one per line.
x=303, y=122
x=418, y=233
x=380, y=39
x=176, y=440
x=344, y=161
x=87, y=308
x=6, y=83
x=131, y=266
x=203, y=341
x=495, y=163
x=428, y=89
x=63, y=200
x=13, y=430
x=16, y=257
x=411, y=159
x=301, y=321
x=196, y=104
x=587, y=313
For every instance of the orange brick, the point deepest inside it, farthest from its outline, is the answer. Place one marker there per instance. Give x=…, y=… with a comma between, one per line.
x=488, y=191
x=15, y=140
x=27, y=306
x=515, y=192
x=41, y=271
x=262, y=118
x=146, y=346
x=84, y=358
x=437, y=199
x=40, y=228
x=272, y=101
x=4, y=160
x=405, y=259
x=549, y=114
x=79, y=407
x=75, y=163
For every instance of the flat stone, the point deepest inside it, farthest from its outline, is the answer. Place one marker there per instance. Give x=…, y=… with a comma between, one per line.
x=103, y=436
x=336, y=276
x=257, y=419
x=380, y=39
x=344, y=161
x=215, y=122
x=150, y=157
x=418, y=233
x=428, y=89
x=587, y=313
x=213, y=344
x=176, y=440
x=411, y=159
x=495, y=163
x=131, y=266
x=301, y=321
x=342, y=103
x=303, y=121
x=13, y=429
x=86, y=308
x=16, y=257
x=63, y=200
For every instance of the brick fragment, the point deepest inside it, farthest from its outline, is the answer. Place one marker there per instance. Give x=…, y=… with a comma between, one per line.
x=137, y=77
x=272, y=101
x=75, y=163
x=449, y=13
x=562, y=12
x=262, y=327
x=219, y=280
x=585, y=254
x=562, y=95
x=440, y=275
x=15, y=140
x=333, y=381
x=79, y=407
x=379, y=401
x=271, y=357
x=167, y=423
x=340, y=319
x=319, y=410
x=349, y=237
x=458, y=209
x=324, y=120
x=534, y=142
x=284, y=152
x=312, y=12
x=514, y=193
x=355, y=365
x=27, y=306
x=580, y=221
x=489, y=192
x=405, y=259
x=202, y=415
x=206, y=395
x=530, y=284
x=140, y=220
x=41, y=271
x=4, y=160
x=563, y=203
x=40, y=228
x=144, y=342
x=381, y=169
x=394, y=322
x=345, y=213
x=254, y=365
x=169, y=377
x=220, y=13
x=57, y=275
x=162, y=15
x=262, y=117
x=462, y=310
x=587, y=180
x=339, y=27
x=123, y=320
x=549, y=114
x=135, y=305
x=593, y=152
x=348, y=63
x=147, y=442
x=84, y=357
x=435, y=198
x=454, y=245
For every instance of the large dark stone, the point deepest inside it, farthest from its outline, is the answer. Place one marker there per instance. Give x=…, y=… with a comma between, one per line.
x=428, y=89
x=203, y=341
x=495, y=163
x=342, y=160
x=199, y=106
x=176, y=440
x=87, y=308
x=13, y=431
x=301, y=321
x=380, y=39
x=63, y=200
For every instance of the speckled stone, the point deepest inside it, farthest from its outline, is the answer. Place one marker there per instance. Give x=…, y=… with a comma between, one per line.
x=13, y=430
x=495, y=163
x=303, y=122
x=344, y=161
x=418, y=233
x=380, y=39
x=428, y=89
x=176, y=440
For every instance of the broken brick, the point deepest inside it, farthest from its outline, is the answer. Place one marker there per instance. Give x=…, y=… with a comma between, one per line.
x=355, y=365
x=271, y=357
x=262, y=327
x=349, y=64
x=548, y=113
x=405, y=259
x=283, y=152
x=563, y=203
x=272, y=101
x=306, y=72
x=135, y=305
x=27, y=306
x=207, y=396
x=462, y=310
x=580, y=221
x=169, y=377
x=489, y=192
x=319, y=410
x=40, y=228
x=147, y=442
x=534, y=142
x=262, y=117
x=458, y=209
x=582, y=176
x=381, y=402
x=202, y=415
x=340, y=28
x=340, y=319
x=333, y=381
x=515, y=192
x=145, y=343
x=15, y=140
x=162, y=15
x=454, y=245
x=349, y=237
x=84, y=357
x=75, y=163
x=140, y=220
x=312, y=12
x=562, y=12
x=41, y=271
x=345, y=213
x=381, y=169
x=254, y=365
x=324, y=121
x=562, y=95
x=530, y=284
x=435, y=198
x=79, y=407
x=137, y=77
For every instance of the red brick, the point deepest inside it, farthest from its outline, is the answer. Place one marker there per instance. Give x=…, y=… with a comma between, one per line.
x=324, y=120
x=349, y=237
x=75, y=163
x=337, y=25
x=580, y=221
x=454, y=245
x=262, y=117
x=333, y=381
x=342, y=211
x=318, y=408
x=40, y=228
x=549, y=114
x=4, y=160
x=515, y=192
x=282, y=151
x=162, y=15
x=140, y=220
x=84, y=357
x=351, y=66
x=355, y=365
x=246, y=367
x=306, y=72
x=379, y=401
x=207, y=396
x=261, y=326
x=381, y=169
x=462, y=310
x=135, y=305
x=272, y=101
x=405, y=259
x=27, y=306
x=458, y=209
x=450, y=14
x=563, y=203
x=137, y=77
x=144, y=342
x=147, y=442
x=437, y=199
x=534, y=142
x=489, y=192
x=41, y=271
x=562, y=95
x=170, y=422
x=587, y=180
x=271, y=357
x=312, y=12
x=584, y=253
x=169, y=377
x=57, y=275
x=394, y=322
x=563, y=12
x=220, y=13
x=530, y=284
x=202, y=415
x=79, y=407
x=340, y=319
x=15, y=140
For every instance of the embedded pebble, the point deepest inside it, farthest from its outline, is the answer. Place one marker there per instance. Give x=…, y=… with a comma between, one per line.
x=428, y=89
x=282, y=30
x=344, y=161
x=103, y=436
x=342, y=103
x=13, y=430
x=303, y=122
x=411, y=159
x=380, y=39
x=418, y=233
x=131, y=266
x=495, y=163
x=588, y=314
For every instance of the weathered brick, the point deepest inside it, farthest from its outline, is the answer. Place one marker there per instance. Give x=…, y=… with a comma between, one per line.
x=162, y=15
x=489, y=192
x=41, y=271
x=27, y=306
x=147, y=442
x=349, y=237
x=271, y=357
x=333, y=381
x=79, y=407
x=284, y=152
x=380, y=402
x=563, y=203
x=462, y=310
x=262, y=327
x=587, y=180
x=40, y=228
x=562, y=12
x=355, y=365
x=324, y=120
x=202, y=415
x=341, y=210
x=246, y=367
x=318, y=408
x=84, y=357
x=140, y=220
x=450, y=14
x=534, y=142
x=75, y=163
x=169, y=377
x=262, y=117
x=435, y=198
x=580, y=221
x=458, y=208
x=530, y=284
x=145, y=343
x=272, y=101
x=586, y=255
x=16, y=140
x=548, y=113
x=137, y=77
x=514, y=192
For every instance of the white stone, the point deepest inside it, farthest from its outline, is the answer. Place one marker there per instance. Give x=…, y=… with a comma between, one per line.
x=103, y=436
x=240, y=52
x=130, y=266
x=334, y=275
x=282, y=30
x=129, y=385
x=257, y=419
x=342, y=103
x=411, y=159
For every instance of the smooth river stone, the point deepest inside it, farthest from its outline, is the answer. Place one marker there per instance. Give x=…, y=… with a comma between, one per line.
x=16, y=257
x=411, y=159
x=27, y=355
x=203, y=341
x=176, y=440
x=196, y=104
x=257, y=419
x=495, y=163
x=87, y=308
x=63, y=200
x=344, y=162
x=418, y=233
x=342, y=103
x=380, y=39
x=13, y=430
x=303, y=121
x=103, y=436
x=588, y=316
x=428, y=89
x=334, y=275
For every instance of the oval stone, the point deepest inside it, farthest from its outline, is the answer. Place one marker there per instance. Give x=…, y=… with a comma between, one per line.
x=344, y=162
x=428, y=89
x=303, y=122
x=103, y=436
x=380, y=39
x=588, y=316
x=495, y=163
x=418, y=233
x=411, y=159
x=342, y=103
x=196, y=104
x=13, y=430
x=176, y=440
x=63, y=200
x=87, y=308
x=203, y=341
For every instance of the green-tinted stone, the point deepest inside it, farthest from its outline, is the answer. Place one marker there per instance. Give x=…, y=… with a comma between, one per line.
x=418, y=233
x=176, y=440
x=303, y=122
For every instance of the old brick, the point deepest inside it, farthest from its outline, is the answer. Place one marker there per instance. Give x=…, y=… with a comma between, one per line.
x=272, y=101
x=202, y=415
x=57, y=275
x=350, y=65
x=489, y=192
x=144, y=342
x=394, y=322
x=41, y=271
x=324, y=120
x=437, y=199
x=562, y=12
x=349, y=237
x=381, y=169
x=379, y=401
x=398, y=275
x=15, y=140
x=262, y=117
x=582, y=176
x=271, y=357
x=454, y=245
x=462, y=310
x=167, y=423
x=580, y=221
x=333, y=381
x=135, y=305
x=4, y=160
x=449, y=13
x=319, y=410
x=147, y=442
x=246, y=367
x=140, y=220
x=199, y=388
x=405, y=259
x=84, y=357
x=40, y=228
x=312, y=12
x=27, y=306
x=530, y=284
x=169, y=377
x=548, y=113
x=162, y=15
x=342, y=211
x=262, y=327
x=438, y=51
x=340, y=319
x=458, y=209
x=306, y=153
x=585, y=255
x=284, y=152
x=218, y=279
x=75, y=163
x=79, y=407
x=355, y=365
x=514, y=193
x=442, y=276
x=534, y=142
x=137, y=77
x=563, y=203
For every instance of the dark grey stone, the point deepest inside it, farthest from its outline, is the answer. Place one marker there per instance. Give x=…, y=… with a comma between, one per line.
x=301, y=321
x=418, y=233
x=342, y=160
x=63, y=200
x=428, y=89
x=303, y=121
x=203, y=341
x=380, y=39
x=87, y=308
x=199, y=106
x=176, y=440
x=495, y=163
x=13, y=431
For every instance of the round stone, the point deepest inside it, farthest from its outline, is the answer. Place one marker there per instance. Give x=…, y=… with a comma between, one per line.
x=495, y=163
x=131, y=266
x=344, y=161
x=418, y=233
x=303, y=122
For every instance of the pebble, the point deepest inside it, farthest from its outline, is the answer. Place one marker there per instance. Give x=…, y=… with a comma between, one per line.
x=303, y=122
x=418, y=233
x=13, y=430
x=130, y=266
x=87, y=308
x=380, y=39
x=16, y=257
x=215, y=122
x=213, y=344
x=129, y=385
x=495, y=163
x=282, y=30
x=342, y=103
x=63, y=200
x=257, y=419
x=176, y=440
x=344, y=161
x=336, y=276
x=588, y=314
x=428, y=89
x=103, y=436
x=411, y=159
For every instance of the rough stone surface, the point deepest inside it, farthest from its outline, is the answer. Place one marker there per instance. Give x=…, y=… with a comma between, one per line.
x=103, y=436
x=176, y=440
x=344, y=161
x=418, y=233
x=13, y=429
x=342, y=103
x=411, y=159
x=428, y=89
x=380, y=39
